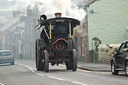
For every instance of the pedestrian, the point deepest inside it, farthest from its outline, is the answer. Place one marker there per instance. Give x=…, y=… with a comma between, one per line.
x=20, y=52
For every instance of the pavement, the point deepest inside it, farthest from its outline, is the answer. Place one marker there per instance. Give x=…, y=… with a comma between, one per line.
x=94, y=66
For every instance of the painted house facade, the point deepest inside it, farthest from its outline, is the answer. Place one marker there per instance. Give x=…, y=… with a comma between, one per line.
x=108, y=21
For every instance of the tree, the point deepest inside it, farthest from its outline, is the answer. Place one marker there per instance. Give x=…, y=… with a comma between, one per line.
x=97, y=42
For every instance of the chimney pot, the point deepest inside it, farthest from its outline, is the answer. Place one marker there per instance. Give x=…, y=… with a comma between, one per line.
x=58, y=14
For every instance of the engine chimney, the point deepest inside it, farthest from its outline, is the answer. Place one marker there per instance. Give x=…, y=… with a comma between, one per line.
x=58, y=14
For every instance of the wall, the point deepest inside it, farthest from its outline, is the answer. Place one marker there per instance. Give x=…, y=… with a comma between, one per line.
x=108, y=21
x=105, y=52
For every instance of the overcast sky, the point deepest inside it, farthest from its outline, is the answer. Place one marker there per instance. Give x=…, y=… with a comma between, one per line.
x=49, y=7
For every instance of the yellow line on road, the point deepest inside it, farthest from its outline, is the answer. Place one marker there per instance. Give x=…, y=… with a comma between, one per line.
x=1, y=84
x=77, y=69
x=83, y=70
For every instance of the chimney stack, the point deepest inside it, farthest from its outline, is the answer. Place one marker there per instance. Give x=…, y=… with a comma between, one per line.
x=29, y=11
x=58, y=14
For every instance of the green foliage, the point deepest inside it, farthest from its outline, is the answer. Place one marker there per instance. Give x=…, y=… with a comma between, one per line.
x=102, y=49
x=107, y=50
x=97, y=42
x=97, y=39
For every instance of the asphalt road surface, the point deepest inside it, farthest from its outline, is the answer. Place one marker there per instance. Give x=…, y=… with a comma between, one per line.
x=24, y=73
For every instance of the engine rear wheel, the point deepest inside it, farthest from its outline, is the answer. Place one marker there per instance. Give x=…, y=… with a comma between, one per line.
x=46, y=61
x=39, y=58
x=71, y=45
x=68, y=65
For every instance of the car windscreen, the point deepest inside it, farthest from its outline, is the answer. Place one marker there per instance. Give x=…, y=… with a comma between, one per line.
x=6, y=53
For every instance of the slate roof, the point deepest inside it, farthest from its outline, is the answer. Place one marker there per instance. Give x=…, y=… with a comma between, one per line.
x=86, y=3
x=18, y=25
x=9, y=24
x=22, y=24
x=3, y=20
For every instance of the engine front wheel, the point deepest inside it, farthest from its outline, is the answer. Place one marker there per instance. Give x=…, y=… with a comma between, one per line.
x=46, y=61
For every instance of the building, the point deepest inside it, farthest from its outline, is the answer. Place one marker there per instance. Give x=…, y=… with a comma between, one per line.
x=6, y=34
x=107, y=21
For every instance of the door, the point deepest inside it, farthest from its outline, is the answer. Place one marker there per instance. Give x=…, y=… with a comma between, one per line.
x=120, y=54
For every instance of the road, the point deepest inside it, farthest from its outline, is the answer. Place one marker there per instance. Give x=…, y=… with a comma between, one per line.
x=24, y=73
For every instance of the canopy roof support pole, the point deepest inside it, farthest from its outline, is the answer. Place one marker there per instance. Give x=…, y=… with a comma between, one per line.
x=70, y=29
x=74, y=30
x=50, y=31
x=45, y=32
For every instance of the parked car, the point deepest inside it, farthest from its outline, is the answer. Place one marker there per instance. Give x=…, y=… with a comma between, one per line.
x=6, y=56
x=119, y=60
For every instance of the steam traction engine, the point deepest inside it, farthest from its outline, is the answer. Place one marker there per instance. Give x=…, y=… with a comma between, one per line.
x=56, y=44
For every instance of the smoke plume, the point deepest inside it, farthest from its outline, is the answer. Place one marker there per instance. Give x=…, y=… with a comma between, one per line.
x=68, y=8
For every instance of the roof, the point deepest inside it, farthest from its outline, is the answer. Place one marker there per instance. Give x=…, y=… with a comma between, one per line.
x=125, y=41
x=4, y=50
x=60, y=19
x=9, y=24
x=18, y=25
x=3, y=20
x=86, y=3
x=22, y=24
x=13, y=28
x=91, y=1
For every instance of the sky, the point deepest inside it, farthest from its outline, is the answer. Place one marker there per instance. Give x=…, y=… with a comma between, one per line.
x=68, y=8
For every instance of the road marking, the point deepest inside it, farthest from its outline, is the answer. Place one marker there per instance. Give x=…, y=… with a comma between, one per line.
x=79, y=83
x=57, y=78
x=39, y=74
x=1, y=84
x=66, y=80
x=33, y=70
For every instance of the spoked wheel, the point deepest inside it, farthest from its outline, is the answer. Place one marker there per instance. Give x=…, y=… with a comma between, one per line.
x=39, y=58
x=74, y=62
x=46, y=61
x=126, y=69
x=114, y=72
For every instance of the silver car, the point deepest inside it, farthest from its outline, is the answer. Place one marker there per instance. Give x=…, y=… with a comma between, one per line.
x=6, y=56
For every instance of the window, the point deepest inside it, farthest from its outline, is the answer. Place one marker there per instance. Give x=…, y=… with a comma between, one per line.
x=122, y=47
x=6, y=53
